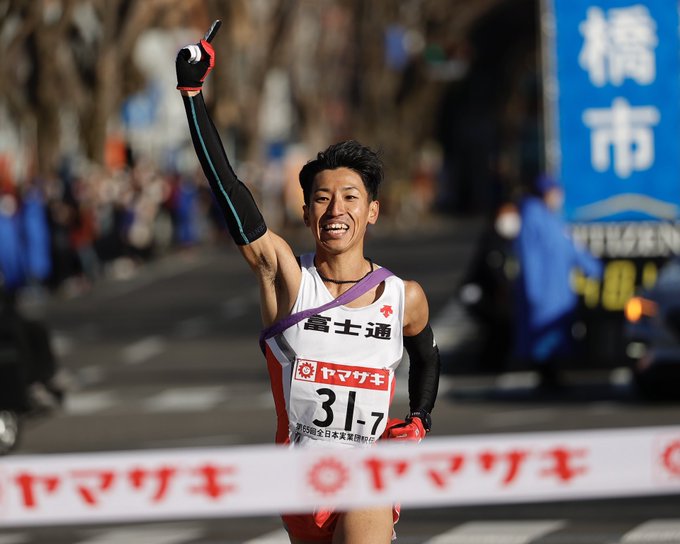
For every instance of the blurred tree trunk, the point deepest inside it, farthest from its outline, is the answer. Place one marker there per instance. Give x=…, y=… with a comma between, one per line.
x=122, y=23
x=252, y=41
x=45, y=32
x=51, y=69
x=335, y=59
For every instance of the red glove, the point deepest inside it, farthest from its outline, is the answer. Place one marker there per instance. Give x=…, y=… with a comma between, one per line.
x=190, y=76
x=409, y=429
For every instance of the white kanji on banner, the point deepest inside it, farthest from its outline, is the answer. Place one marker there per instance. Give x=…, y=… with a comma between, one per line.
x=619, y=45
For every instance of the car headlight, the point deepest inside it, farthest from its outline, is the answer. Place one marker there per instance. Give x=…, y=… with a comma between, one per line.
x=637, y=307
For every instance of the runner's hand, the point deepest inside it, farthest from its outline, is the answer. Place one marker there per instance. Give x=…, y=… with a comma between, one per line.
x=190, y=76
x=410, y=429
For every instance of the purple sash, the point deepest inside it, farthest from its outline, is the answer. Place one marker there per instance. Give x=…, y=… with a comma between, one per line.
x=369, y=282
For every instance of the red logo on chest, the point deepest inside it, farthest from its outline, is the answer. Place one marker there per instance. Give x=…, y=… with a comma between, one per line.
x=386, y=310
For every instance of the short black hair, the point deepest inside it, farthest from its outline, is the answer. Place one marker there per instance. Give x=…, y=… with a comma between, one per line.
x=348, y=154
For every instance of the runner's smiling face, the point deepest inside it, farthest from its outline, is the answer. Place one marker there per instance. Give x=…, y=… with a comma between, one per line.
x=339, y=209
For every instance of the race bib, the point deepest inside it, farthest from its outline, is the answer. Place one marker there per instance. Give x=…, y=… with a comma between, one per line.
x=338, y=403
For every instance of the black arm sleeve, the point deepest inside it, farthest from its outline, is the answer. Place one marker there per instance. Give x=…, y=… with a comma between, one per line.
x=424, y=368
x=244, y=220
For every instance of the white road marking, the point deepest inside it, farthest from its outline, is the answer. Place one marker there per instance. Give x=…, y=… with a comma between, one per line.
x=90, y=375
x=487, y=532
x=275, y=537
x=497, y=532
x=165, y=534
x=143, y=350
x=621, y=376
x=133, y=279
x=517, y=380
x=186, y=399
x=657, y=531
x=62, y=344
x=88, y=403
x=452, y=325
x=18, y=538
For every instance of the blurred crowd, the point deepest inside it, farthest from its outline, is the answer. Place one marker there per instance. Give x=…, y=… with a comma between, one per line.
x=66, y=233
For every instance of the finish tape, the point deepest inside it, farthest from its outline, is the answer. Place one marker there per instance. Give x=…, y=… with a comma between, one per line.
x=263, y=480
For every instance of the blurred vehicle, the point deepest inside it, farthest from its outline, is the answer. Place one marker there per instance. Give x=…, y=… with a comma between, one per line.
x=13, y=391
x=30, y=383
x=486, y=291
x=652, y=335
x=21, y=395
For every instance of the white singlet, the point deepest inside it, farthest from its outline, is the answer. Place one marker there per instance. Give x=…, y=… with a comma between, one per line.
x=332, y=375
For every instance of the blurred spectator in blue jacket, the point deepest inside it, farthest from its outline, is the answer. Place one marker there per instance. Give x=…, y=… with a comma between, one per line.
x=36, y=234
x=187, y=213
x=12, y=254
x=546, y=304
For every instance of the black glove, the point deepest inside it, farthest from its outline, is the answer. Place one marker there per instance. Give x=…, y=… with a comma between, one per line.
x=190, y=76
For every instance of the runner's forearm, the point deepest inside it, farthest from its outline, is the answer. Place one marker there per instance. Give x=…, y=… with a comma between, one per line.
x=244, y=220
x=424, y=368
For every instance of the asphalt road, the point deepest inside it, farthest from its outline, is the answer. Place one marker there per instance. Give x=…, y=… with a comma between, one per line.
x=168, y=358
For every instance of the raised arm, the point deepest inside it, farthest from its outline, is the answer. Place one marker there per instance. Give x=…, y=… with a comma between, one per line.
x=270, y=257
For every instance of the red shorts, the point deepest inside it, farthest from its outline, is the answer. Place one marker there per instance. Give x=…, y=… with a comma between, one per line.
x=320, y=525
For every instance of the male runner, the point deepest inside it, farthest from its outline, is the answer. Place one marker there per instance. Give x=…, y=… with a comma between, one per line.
x=332, y=374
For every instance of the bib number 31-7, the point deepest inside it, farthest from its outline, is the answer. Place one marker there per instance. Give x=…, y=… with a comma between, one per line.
x=327, y=407
x=335, y=402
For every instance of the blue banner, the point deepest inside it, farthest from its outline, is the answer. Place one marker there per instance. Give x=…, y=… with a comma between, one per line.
x=616, y=65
